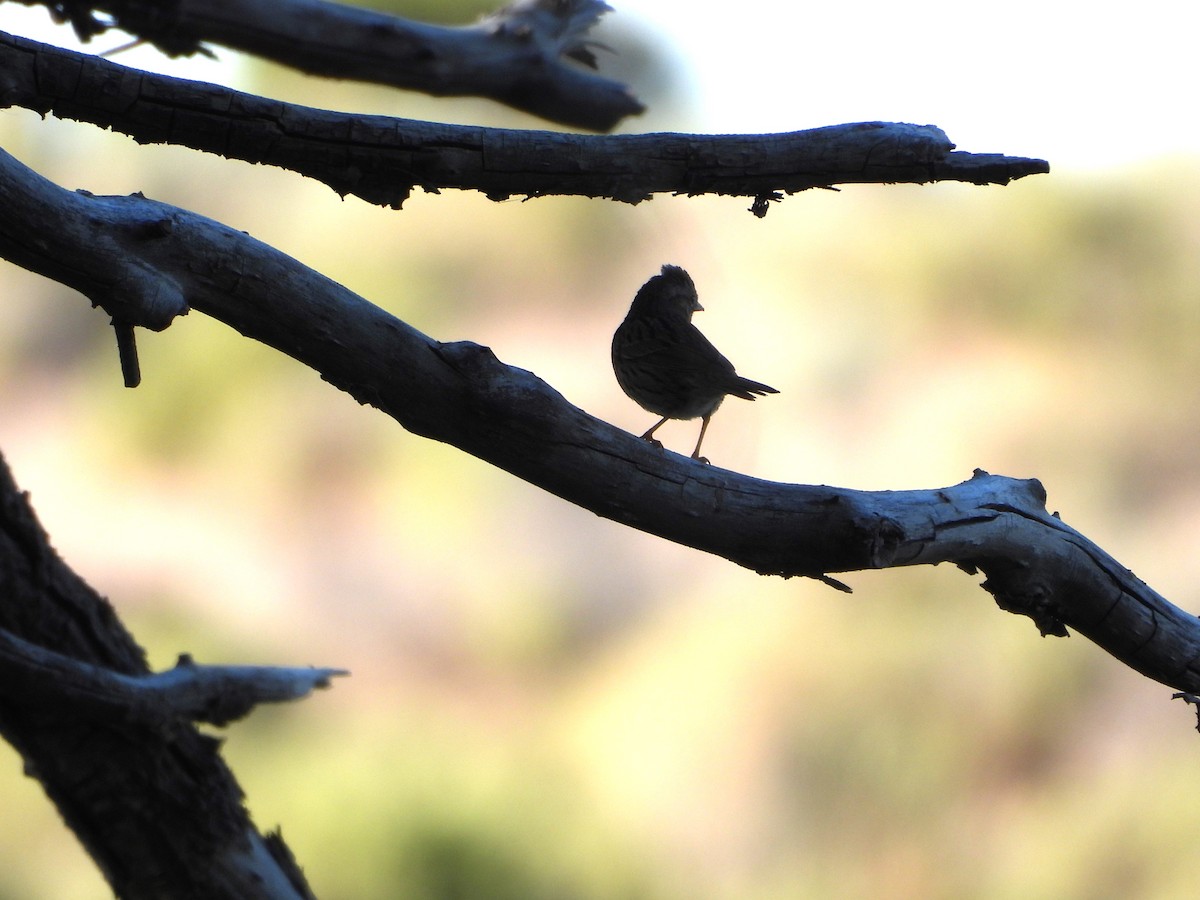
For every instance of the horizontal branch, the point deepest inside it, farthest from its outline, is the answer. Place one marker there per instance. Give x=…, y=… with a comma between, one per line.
x=459, y=393
x=187, y=693
x=527, y=55
x=382, y=159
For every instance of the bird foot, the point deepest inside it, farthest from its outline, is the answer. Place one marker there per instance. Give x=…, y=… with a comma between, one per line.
x=653, y=442
x=703, y=460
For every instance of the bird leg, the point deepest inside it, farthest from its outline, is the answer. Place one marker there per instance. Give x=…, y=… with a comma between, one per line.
x=696, y=453
x=649, y=435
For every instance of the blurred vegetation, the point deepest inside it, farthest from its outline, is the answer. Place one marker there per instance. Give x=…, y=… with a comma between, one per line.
x=545, y=705
x=441, y=12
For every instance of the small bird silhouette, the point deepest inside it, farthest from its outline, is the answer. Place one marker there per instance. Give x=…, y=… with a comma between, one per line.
x=666, y=365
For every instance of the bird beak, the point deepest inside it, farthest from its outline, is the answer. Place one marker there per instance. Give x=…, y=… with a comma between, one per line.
x=698, y=307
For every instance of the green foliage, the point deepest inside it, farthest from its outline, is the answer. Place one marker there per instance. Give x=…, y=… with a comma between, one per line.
x=440, y=12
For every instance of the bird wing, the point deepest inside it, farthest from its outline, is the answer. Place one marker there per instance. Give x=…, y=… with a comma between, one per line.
x=693, y=352
x=689, y=357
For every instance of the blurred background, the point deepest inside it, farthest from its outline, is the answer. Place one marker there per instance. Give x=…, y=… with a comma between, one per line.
x=547, y=705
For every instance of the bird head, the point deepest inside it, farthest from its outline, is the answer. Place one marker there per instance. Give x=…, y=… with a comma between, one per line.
x=671, y=294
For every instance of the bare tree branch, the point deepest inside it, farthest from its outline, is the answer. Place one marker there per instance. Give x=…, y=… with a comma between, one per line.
x=149, y=798
x=461, y=394
x=517, y=56
x=187, y=693
x=382, y=159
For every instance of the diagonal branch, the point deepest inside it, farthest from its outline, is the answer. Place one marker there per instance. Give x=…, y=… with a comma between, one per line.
x=147, y=795
x=382, y=159
x=517, y=56
x=459, y=393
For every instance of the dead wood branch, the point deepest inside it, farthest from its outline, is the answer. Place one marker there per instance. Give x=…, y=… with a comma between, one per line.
x=382, y=159
x=461, y=394
x=528, y=55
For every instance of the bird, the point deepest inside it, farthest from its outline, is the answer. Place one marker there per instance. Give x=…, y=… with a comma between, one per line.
x=666, y=365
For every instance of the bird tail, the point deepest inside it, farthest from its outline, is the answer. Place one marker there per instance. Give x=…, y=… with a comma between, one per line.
x=748, y=390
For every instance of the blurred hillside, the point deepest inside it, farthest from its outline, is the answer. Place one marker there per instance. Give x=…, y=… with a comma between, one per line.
x=546, y=705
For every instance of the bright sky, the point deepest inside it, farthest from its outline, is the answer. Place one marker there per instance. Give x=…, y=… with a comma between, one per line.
x=1079, y=84
x=1082, y=85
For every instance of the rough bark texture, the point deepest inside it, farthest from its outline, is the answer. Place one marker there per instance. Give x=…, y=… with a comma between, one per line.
x=154, y=805
x=461, y=394
x=382, y=159
x=517, y=56
x=33, y=674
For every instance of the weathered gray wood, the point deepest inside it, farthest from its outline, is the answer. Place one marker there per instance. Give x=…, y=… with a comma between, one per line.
x=382, y=159
x=520, y=55
x=461, y=394
x=189, y=692
x=148, y=797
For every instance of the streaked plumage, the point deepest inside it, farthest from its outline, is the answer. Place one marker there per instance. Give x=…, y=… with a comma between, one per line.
x=666, y=365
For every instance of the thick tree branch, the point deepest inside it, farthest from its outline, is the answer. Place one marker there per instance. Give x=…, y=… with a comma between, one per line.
x=461, y=394
x=382, y=159
x=517, y=56
x=146, y=794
